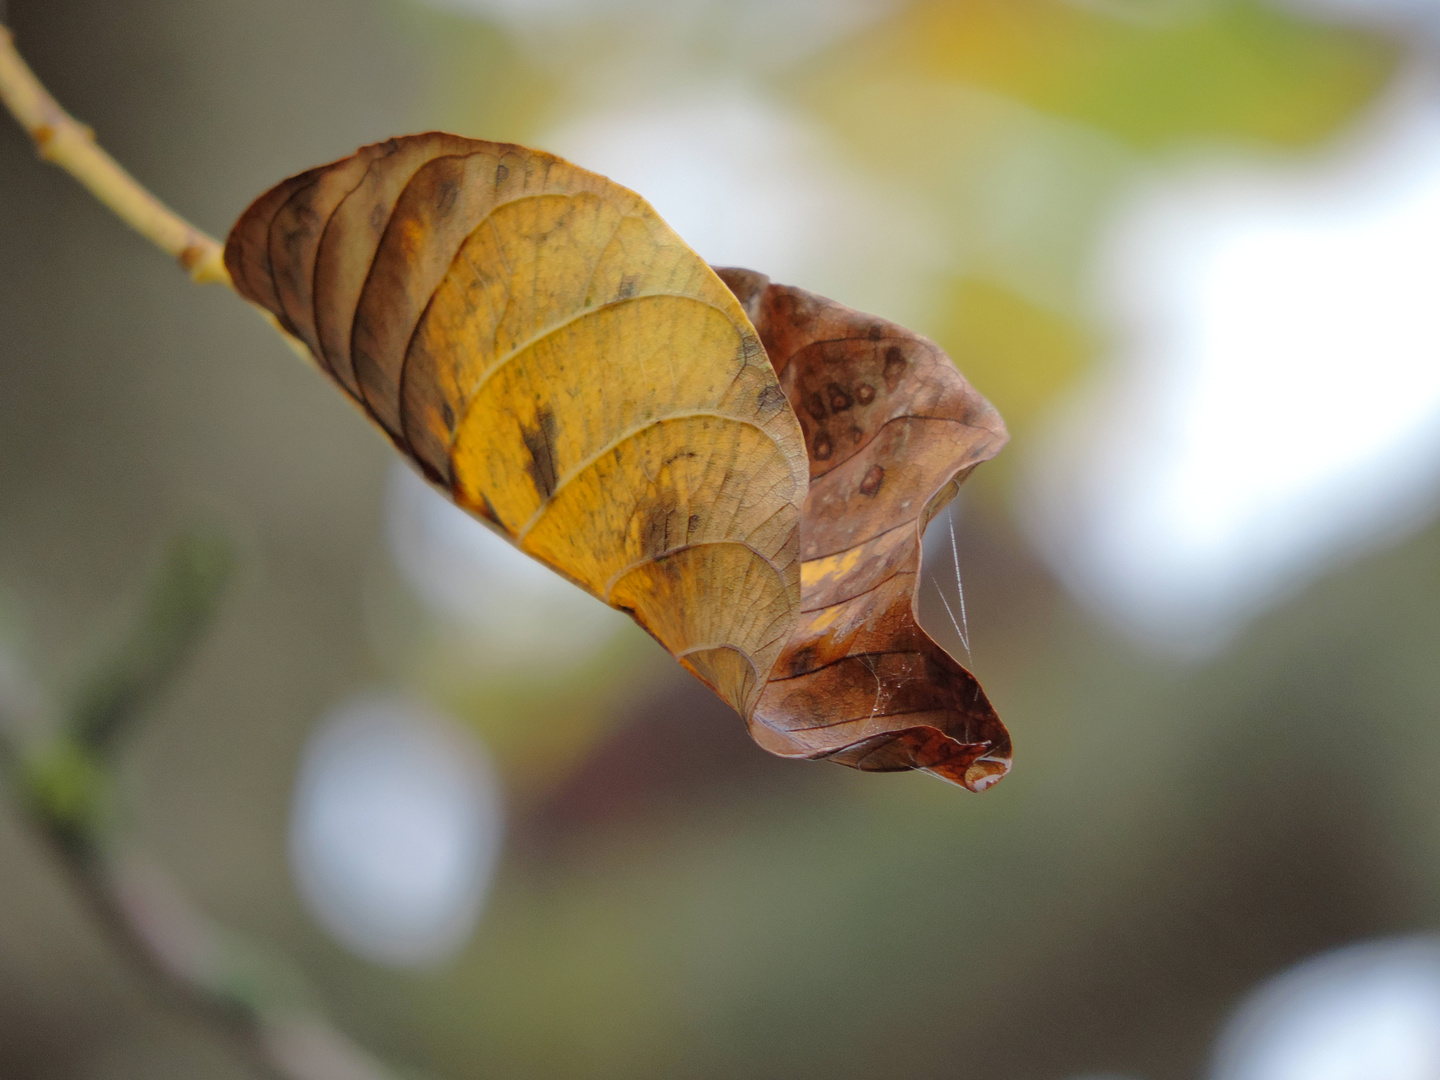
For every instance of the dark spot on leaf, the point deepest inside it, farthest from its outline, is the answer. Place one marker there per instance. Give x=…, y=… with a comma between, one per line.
x=540, y=441
x=487, y=511
x=802, y=660
x=769, y=398
x=894, y=366
x=447, y=414
x=627, y=287
x=823, y=447
x=364, y=362
x=445, y=198
x=876, y=332
x=377, y=219
x=501, y=172
x=292, y=238
x=655, y=525
x=429, y=471
x=788, y=309
x=856, y=434
x=864, y=393
x=815, y=405
x=839, y=399
x=873, y=479
x=694, y=523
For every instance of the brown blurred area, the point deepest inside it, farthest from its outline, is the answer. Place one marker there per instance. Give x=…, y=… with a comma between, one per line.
x=672, y=902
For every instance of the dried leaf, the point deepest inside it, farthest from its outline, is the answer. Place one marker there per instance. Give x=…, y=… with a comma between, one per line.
x=892, y=430
x=551, y=355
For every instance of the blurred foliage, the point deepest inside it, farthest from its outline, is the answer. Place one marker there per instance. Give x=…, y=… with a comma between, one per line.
x=182, y=601
x=1019, y=123
x=1151, y=73
x=63, y=771
x=1017, y=349
x=65, y=786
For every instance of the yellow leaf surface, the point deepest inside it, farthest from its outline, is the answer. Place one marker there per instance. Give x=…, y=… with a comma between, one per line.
x=549, y=352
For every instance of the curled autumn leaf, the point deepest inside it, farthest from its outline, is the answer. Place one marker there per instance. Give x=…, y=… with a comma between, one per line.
x=555, y=359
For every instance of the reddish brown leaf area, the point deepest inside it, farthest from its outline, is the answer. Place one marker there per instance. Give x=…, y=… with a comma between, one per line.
x=892, y=429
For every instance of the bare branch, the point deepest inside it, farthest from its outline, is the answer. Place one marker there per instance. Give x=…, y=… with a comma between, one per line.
x=59, y=768
x=63, y=141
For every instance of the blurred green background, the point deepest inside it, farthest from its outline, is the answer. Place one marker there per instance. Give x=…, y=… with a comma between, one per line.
x=671, y=902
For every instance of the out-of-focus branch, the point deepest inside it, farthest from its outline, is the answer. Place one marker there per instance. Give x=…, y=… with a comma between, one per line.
x=61, y=772
x=179, y=608
x=257, y=997
x=62, y=140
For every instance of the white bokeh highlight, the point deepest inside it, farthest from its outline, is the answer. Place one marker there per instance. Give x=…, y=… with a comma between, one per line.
x=1364, y=1012
x=1275, y=401
x=395, y=830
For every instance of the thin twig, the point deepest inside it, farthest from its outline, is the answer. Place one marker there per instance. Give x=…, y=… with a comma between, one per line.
x=62, y=774
x=65, y=142
x=181, y=604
